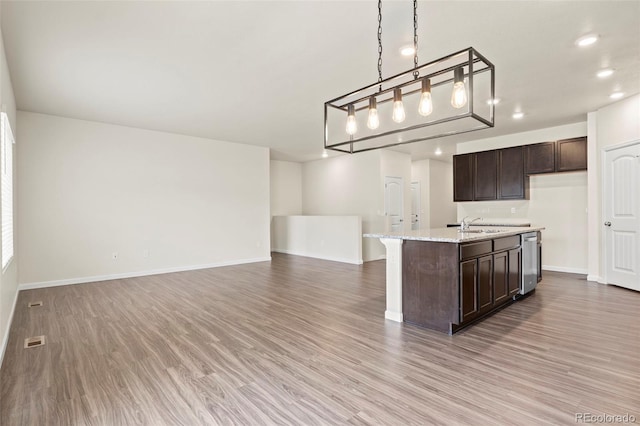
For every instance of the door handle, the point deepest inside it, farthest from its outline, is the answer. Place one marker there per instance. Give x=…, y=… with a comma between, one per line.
x=607, y=223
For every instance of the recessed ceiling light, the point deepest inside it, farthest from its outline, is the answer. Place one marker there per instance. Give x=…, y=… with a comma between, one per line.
x=325, y=154
x=494, y=101
x=518, y=115
x=438, y=151
x=616, y=95
x=605, y=73
x=587, y=40
x=407, y=50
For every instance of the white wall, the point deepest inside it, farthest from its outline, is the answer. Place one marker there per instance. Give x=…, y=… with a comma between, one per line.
x=337, y=238
x=557, y=201
x=9, y=277
x=347, y=185
x=161, y=201
x=442, y=209
x=286, y=188
x=612, y=125
x=436, y=192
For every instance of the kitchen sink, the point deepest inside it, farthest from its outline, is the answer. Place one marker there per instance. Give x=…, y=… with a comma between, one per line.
x=480, y=231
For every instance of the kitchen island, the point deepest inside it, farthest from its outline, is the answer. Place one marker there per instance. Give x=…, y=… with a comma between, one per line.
x=445, y=279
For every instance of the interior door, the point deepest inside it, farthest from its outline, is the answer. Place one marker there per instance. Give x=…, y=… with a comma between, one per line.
x=621, y=193
x=415, y=205
x=393, y=200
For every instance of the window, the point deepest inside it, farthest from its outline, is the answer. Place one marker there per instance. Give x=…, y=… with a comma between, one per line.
x=6, y=182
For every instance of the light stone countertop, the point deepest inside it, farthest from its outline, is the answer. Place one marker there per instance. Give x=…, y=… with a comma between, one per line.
x=452, y=235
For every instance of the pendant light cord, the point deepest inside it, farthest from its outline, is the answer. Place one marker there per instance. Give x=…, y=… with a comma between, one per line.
x=415, y=39
x=380, y=44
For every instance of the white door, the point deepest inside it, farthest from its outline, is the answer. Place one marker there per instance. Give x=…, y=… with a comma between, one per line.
x=415, y=205
x=393, y=202
x=621, y=194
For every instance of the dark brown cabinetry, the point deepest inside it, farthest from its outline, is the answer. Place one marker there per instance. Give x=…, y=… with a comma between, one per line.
x=468, y=290
x=512, y=182
x=540, y=158
x=485, y=175
x=515, y=271
x=490, y=273
x=463, y=177
x=571, y=154
x=447, y=286
x=565, y=155
x=503, y=174
x=500, y=277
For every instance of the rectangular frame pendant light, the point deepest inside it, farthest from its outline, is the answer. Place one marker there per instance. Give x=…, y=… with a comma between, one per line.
x=397, y=110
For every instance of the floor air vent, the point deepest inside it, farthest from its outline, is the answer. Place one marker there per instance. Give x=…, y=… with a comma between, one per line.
x=34, y=304
x=32, y=342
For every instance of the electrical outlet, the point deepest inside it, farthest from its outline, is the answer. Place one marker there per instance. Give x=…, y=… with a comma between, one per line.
x=513, y=210
x=114, y=255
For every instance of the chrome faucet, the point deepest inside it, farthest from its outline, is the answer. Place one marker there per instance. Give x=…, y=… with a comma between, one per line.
x=464, y=225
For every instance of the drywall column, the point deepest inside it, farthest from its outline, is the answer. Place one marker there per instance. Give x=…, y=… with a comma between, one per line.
x=394, y=279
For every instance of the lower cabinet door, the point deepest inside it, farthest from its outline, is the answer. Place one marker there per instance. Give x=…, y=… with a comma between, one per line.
x=485, y=283
x=515, y=271
x=468, y=290
x=500, y=277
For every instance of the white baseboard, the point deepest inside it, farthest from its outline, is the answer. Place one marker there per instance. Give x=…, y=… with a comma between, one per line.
x=394, y=316
x=331, y=258
x=595, y=278
x=565, y=269
x=96, y=278
x=5, y=339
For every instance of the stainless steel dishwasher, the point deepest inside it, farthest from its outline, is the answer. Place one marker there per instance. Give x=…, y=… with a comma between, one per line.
x=529, y=243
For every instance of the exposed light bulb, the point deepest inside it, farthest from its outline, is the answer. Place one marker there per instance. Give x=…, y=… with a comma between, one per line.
x=426, y=104
x=325, y=154
x=373, y=121
x=459, y=94
x=352, y=126
x=438, y=151
x=518, y=115
x=398, y=108
x=617, y=95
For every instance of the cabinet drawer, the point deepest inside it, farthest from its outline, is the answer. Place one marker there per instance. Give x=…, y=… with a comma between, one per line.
x=506, y=243
x=471, y=250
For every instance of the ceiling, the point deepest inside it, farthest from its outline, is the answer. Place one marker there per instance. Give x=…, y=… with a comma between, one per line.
x=259, y=72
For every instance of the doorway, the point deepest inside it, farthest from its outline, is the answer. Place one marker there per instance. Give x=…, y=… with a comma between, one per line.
x=621, y=215
x=415, y=205
x=393, y=199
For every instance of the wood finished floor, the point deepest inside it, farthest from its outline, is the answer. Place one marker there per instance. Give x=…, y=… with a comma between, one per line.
x=303, y=341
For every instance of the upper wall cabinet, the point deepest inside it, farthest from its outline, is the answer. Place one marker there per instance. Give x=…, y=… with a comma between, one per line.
x=512, y=182
x=463, y=177
x=540, y=158
x=490, y=175
x=571, y=154
x=485, y=175
x=565, y=155
x=503, y=174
